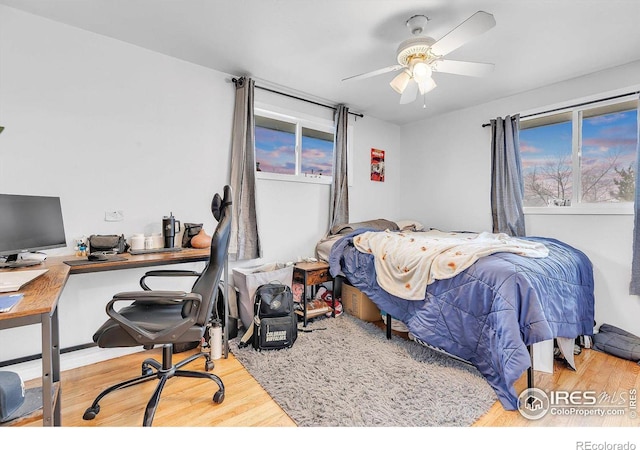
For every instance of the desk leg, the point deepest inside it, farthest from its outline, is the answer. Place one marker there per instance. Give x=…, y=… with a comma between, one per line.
x=50, y=369
x=304, y=299
x=333, y=297
x=55, y=365
x=225, y=337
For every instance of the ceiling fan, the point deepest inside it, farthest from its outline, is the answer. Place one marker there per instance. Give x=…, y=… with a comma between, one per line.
x=420, y=56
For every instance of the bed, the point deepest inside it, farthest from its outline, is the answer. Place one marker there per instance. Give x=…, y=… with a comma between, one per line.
x=487, y=314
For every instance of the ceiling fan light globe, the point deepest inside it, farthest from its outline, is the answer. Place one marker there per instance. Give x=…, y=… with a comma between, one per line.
x=400, y=81
x=421, y=70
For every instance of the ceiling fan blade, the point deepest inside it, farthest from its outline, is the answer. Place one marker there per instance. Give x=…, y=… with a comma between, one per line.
x=426, y=85
x=374, y=73
x=471, y=69
x=410, y=93
x=463, y=33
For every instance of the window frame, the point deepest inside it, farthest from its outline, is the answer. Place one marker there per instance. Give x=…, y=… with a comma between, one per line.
x=576, y=114
x=300, y=121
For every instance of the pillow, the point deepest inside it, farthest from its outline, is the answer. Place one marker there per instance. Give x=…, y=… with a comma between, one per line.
x=409, y=225
x=377, y=224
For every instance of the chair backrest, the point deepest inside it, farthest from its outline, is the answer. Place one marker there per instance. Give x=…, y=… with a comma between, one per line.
x=207, y=283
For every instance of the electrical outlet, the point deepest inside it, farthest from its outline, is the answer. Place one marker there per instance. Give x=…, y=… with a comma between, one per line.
x=113, y=216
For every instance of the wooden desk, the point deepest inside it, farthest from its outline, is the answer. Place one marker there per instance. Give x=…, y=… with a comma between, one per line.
x=186, y=255
x=40, y=305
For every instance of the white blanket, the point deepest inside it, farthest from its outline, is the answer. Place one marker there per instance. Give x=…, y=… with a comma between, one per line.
x=407, y=262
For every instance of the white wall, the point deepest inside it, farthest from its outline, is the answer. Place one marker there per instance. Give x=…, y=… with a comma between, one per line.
x=110, y=126
x=373, y=199
x=447, y=171
x=105, y=126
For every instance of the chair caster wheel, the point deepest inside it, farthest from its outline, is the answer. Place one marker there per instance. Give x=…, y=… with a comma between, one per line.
x=208, y=366
x=218, y=397
x=91, y=413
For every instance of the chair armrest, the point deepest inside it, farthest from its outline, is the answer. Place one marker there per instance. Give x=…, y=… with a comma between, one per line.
x=166, y=297
x=156, y=298
x=166, y=273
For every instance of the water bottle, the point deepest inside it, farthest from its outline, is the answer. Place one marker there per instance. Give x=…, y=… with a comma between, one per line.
x=215, y=343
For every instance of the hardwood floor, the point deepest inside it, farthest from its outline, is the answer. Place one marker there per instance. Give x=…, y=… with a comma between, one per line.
x=596, y=372
x=188, y=402
x=184, y=401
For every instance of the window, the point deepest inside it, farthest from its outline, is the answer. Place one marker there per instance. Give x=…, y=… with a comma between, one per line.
x=292, y=148
x=581, y=158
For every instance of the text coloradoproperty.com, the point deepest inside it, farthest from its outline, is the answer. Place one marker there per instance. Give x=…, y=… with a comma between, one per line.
x=574, y=411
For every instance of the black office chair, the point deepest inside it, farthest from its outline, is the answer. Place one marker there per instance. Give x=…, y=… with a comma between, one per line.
x=168, y=318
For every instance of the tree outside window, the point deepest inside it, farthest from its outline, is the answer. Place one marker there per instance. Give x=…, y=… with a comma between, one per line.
x=580, y=157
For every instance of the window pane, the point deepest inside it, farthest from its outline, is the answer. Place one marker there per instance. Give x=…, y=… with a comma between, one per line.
x=275, y=146
x=545, y=152
x=609, y=143
x=317, y=152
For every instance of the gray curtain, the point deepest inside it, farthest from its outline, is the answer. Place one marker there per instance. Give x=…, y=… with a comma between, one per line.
x=634, y=287
x=507, y=188
x=245, y=241
x=339, y=207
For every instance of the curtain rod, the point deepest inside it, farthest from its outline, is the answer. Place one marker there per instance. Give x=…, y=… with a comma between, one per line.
x=572, y=106
x=299, y=98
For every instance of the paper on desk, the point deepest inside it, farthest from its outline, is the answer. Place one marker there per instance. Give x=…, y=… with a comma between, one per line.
x=9, y=301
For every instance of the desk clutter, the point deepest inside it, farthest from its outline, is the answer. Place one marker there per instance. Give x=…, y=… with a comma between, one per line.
x=173, y=238
x=165, y=239
x=107, y=243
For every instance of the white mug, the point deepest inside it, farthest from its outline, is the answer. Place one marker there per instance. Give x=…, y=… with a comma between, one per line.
x=137, y=242
x=158, y=240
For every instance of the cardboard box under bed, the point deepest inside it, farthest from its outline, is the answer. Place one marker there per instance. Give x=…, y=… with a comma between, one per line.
x=357, y=304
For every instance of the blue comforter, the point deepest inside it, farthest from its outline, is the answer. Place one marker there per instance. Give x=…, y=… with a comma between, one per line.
x=492, y=311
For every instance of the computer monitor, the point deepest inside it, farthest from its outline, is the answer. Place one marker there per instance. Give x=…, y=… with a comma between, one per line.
x=29, y=223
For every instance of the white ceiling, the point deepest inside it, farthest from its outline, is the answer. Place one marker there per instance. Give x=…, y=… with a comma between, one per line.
x=307, y=47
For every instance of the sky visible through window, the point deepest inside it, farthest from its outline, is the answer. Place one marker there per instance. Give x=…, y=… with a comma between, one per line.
x=610, y=134
x=609, y=145
x=275, y=152
x=317, y=155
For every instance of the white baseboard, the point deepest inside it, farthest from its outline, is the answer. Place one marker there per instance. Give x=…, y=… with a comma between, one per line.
x=33, y=369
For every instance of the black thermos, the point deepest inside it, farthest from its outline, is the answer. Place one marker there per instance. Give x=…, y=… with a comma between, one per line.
x=169, y=228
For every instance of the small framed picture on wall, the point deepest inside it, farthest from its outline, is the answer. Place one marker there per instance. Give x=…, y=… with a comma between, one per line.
x=377, y=164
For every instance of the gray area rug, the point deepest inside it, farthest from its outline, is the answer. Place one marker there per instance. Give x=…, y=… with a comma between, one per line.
x=346, y=373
